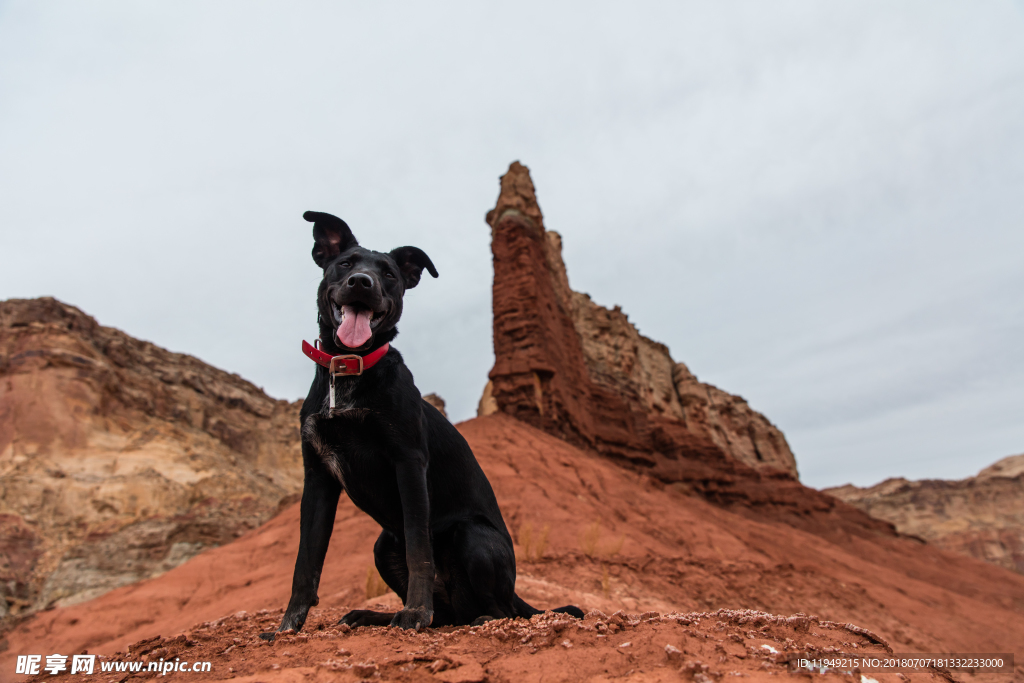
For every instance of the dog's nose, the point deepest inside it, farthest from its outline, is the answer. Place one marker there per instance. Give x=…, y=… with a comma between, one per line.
x=360, y=280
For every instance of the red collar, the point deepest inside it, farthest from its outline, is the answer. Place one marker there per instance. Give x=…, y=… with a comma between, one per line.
x=345, y=364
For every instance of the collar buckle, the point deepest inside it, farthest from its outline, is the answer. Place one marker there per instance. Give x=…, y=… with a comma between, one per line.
x=348, y=365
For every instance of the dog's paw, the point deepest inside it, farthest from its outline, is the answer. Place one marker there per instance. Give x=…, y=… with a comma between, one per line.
x=366, y=617
x=270, y=635
x=414, y=619
x=293, y=620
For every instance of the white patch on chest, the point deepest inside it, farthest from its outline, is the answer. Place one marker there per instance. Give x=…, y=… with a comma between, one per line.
x=311, y=434
x=344, y=406
x=343, y=389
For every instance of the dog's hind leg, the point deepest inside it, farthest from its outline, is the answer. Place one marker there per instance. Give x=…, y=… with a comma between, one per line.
x=481, y=577
x=389, y=558
x=480, y=570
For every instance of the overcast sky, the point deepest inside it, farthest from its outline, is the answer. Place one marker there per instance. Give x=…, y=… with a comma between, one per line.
x=816, y=205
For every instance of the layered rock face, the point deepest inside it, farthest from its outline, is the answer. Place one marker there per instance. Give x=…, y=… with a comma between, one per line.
x=981, y=516
x=584, y=373
x=120, y=460
x=642, y=371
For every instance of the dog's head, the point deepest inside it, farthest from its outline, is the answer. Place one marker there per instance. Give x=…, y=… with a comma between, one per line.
x=360, y=296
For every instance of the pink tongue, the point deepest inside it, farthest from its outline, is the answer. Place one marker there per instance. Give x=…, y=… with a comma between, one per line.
x=355, y=327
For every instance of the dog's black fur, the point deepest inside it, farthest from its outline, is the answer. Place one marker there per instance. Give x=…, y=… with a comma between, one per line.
x=444, y=548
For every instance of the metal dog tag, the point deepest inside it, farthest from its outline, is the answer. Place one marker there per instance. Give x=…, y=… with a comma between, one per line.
x=340, y=367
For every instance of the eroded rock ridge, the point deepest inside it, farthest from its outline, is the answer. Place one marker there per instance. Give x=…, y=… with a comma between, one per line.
x=120, y=460
x=980, y=516
x=584, y=373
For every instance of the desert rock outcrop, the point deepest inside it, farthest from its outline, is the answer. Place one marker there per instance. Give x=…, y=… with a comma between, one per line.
x=584, y=371
x=980, y=516
x=120, y=460
x=437, y=402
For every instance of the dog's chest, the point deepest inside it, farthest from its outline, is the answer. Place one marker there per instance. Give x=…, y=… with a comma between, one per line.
x=340, y=397
x=350, y=447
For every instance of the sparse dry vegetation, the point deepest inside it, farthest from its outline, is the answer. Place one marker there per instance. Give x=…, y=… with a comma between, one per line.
x=590, y=542
x=589, y=539
x=533, y=547
x=375, y=586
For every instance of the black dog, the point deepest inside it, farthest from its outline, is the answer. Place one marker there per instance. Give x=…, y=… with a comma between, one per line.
x=444, y=548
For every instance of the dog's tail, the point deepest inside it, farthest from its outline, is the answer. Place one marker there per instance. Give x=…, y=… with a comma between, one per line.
x=524, y=610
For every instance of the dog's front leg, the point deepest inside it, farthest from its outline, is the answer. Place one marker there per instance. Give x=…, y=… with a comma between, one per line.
x=320, y=493
x=418, y=611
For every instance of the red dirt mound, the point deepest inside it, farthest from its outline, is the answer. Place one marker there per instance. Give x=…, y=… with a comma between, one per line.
x=590, y=533
x=697, y=646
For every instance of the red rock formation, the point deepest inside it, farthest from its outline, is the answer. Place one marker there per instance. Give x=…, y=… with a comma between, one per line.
x=584, y=373
x=980, y=516
x=538, y=376
x=120, y=460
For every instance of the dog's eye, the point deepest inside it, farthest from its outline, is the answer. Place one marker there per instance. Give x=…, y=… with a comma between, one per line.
x=345, y=264
x=389, y=274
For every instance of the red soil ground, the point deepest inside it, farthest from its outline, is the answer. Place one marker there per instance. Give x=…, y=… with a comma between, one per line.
x=616, y=540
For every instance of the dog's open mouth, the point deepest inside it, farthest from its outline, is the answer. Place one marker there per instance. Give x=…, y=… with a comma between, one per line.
x=355, y=323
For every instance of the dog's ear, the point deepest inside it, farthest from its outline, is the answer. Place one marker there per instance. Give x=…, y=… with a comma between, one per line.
x=411, y=261
x=331, y=236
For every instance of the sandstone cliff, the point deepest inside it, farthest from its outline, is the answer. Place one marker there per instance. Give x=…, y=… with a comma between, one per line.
x=120, y=460
x=981, y=516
